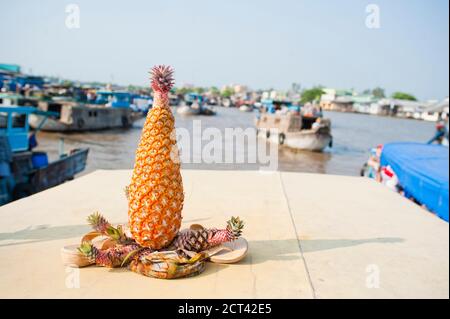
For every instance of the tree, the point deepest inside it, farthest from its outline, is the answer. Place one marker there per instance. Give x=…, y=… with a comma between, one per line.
x=312, y=94
x=227, y=92
x=378, y=93
x=214, y=90
x=403, y=96
x=182, y=91
x=199, y=90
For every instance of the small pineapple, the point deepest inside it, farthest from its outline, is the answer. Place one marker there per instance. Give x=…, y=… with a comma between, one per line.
x=113, y=257
x=155, y=193
x=197, y=239
x=102, y=226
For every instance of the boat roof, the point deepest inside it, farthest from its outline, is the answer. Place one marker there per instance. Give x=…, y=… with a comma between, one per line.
x=26, y=110
x=11, y=96
x=266, y=101
x=423, y=171
x=113, y=92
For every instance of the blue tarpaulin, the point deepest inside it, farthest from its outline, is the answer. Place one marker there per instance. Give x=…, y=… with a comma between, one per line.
x=422, y=171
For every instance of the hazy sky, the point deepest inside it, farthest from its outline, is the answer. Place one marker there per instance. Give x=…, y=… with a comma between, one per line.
x=256, y=42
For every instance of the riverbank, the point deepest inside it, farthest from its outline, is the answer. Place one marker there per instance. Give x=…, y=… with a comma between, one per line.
x=350, y=245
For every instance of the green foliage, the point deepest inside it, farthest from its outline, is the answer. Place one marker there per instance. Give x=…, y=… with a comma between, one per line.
x=403, y=96
x=183, y=90
x=227, y=92
x=199, y=90
x=378, y=93
x=214, y=90
x=312, y=94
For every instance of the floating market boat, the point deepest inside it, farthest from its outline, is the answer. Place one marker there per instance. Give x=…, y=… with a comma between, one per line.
x=194, y=105
x=23, y=171
x=422, y=171
x=294, y=130
x=245, y=105
x=13, y=99
x=246, y=108
x=111, y=110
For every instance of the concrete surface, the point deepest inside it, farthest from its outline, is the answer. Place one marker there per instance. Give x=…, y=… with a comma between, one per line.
x=310, y=236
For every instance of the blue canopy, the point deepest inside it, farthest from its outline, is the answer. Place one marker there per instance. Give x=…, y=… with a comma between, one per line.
x=423, y=172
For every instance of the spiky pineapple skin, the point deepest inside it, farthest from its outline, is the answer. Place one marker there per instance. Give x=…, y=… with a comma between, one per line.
x=197, y=240
x=156, y=191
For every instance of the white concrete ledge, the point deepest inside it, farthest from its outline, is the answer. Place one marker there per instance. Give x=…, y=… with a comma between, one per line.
x=310, y=236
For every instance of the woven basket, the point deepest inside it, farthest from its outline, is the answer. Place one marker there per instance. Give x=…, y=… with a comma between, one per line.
x=168, y=265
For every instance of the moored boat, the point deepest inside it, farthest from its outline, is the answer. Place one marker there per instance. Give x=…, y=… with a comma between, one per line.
x=74, y=116
x=419, y=172
x=246, y=108
x=286, y=126
x=188, y=110
x=194, y=104
x=24, y=171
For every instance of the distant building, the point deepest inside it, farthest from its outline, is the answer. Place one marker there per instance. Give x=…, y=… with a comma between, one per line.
x=337, y=100
x=400, y=108
x=363, y=103
x=240, y=89
x=436, y=111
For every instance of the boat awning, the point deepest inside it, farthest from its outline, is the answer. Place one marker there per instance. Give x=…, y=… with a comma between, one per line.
x=423, y=171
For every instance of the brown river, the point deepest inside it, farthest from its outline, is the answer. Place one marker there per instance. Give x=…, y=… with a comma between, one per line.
x=353, y=136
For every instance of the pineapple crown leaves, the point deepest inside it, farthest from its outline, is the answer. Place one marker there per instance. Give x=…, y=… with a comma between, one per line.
x=98, y=222
x=162, y=78
x=88, y=250
x=101, y=225
x=235, y=226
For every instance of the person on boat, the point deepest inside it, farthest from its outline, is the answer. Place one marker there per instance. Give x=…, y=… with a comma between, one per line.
x=374, y=163
x=441, y=133
x=389, y=178
x=317, y=124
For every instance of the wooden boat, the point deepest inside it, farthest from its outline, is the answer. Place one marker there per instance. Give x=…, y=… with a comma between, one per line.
x=246, y=108
x=9, y=99
x=73, y=116
x=188, y=110
x=23, y=171
x=295, y=131
x=194, y=105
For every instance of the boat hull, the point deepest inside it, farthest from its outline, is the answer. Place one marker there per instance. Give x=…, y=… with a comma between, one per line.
x=59, y=171
x=308, y=140
x=104, y=119
x=246, y=108
x=187, y=110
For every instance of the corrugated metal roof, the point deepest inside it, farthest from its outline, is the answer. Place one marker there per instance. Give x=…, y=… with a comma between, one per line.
x=10, y=67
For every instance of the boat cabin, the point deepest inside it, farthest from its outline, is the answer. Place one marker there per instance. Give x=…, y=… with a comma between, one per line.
x=7, y=99
x=114, y=99
x=271, y=106
x=191, y=98
x=24, y=171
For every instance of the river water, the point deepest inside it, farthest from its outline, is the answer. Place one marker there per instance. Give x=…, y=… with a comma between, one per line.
x=353, y=136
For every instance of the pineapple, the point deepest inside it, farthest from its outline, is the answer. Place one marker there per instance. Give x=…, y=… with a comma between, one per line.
x=197, y=239
x=113, y=257
x=155, y=193
x=102, y=227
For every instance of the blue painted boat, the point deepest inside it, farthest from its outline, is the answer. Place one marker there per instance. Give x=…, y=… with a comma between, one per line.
x=422, y=171
x=23, y=171
x=114, y=99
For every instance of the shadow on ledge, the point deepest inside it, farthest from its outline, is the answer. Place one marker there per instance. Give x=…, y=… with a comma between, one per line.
x=288, y=249
x=41, y=233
